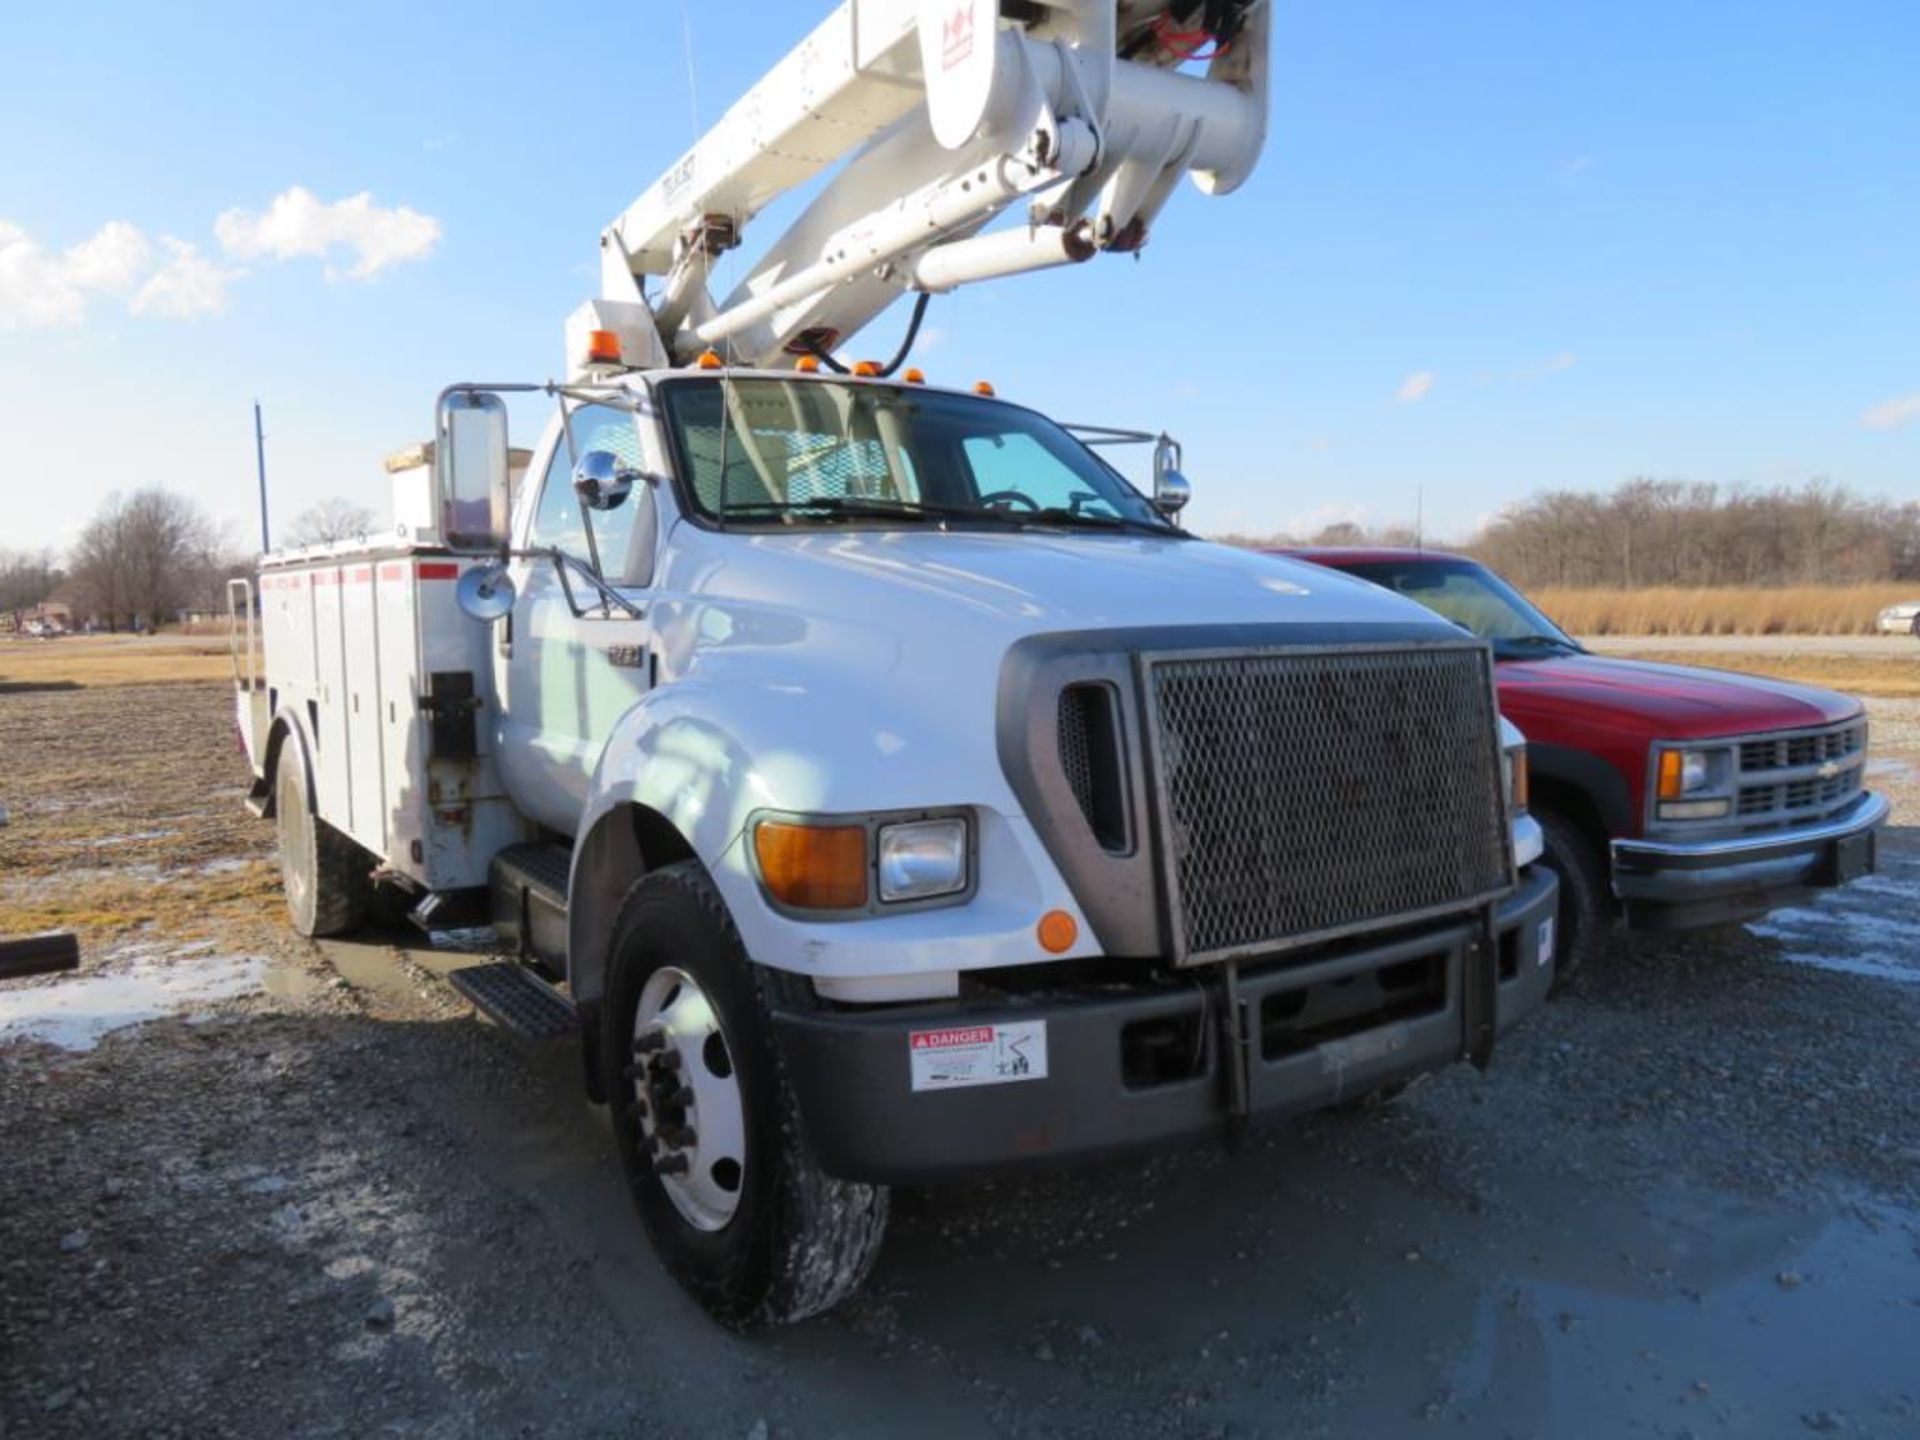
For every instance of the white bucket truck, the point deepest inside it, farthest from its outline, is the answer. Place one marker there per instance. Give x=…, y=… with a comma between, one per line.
x=878, y=786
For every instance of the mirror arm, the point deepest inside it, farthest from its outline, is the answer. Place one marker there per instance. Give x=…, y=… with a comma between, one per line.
x=567, y=565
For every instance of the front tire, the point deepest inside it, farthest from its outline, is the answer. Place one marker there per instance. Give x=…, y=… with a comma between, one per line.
x=1586, y=912
x=325, y=875
x=707, y=1126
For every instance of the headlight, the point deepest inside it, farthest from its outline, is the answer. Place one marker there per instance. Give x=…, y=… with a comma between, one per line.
x=922, y=858
x=1693, y=783
x=845, y=866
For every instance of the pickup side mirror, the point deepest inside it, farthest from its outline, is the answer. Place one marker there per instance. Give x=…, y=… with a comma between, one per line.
x=471, y=471
x=603, y=480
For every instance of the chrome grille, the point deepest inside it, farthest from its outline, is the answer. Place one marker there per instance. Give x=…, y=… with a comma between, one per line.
x=1802, y=775
x=1308, y=794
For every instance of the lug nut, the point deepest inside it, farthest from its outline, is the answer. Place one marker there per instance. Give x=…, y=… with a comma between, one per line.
x=679, y=1097
x=669, y=1061
x=670, y=1165
x=648, y=1041
x=680, y=1137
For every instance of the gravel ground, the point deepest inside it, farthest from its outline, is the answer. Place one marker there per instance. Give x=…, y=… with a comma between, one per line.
x=1685, y=1201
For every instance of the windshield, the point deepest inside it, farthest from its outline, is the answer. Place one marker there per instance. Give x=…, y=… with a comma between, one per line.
x=1474, y=598
x=767, y=451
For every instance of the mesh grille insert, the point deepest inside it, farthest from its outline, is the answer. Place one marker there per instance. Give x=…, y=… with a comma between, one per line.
x=1310, y=793
x=1089, y=737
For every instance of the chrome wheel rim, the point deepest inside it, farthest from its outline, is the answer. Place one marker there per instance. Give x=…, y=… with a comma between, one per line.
x=686, y=1095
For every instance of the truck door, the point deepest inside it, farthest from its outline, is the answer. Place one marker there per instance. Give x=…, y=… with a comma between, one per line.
x=565, y=678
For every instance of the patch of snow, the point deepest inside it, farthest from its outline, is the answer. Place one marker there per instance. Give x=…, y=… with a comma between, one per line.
x=75, y=1013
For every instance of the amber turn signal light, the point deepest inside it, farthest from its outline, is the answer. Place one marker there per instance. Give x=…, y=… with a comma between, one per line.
x=812, y=867
x=1672, y=775
x=1057, y=931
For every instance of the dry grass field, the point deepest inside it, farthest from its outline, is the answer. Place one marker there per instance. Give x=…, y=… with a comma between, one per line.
x=1729, y=610
x=89, y=660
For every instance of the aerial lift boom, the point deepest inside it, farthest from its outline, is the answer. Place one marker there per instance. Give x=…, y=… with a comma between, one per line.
x=942, y=114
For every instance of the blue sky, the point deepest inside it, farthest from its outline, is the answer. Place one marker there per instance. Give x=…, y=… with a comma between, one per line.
x=1491, y=248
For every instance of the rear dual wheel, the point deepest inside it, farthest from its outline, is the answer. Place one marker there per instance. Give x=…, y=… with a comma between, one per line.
x=327, y=878
x=706, y=1123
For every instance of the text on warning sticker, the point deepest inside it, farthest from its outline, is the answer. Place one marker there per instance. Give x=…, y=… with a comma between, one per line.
x=944, y=1039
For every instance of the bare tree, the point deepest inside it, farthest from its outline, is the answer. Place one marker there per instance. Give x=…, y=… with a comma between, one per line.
x=26, y=578
x=336, y=518
x=142, y=558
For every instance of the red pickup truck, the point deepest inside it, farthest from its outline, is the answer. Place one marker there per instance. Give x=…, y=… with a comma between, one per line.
x=1670, y=796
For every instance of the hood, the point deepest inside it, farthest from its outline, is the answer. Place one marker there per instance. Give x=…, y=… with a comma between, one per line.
x=1672, y=702
x=1018, y=582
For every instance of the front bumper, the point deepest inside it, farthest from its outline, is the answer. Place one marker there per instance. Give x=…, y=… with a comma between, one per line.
x=1321, y=1031
x=1671, y=885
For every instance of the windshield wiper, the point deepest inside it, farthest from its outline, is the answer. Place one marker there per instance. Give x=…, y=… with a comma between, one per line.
x=1538, y=642
x=861, y=507
x=1060, y=515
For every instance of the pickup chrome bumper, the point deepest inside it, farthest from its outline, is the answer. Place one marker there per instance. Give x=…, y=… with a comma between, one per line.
x=1098, y=1068
x=1667, y=884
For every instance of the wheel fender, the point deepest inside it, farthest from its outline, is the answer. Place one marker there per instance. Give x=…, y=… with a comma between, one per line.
x=288, y=728
x=664, y=789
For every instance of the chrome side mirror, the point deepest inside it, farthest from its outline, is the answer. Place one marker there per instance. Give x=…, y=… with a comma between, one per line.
x=1170, y=488
x=603, y=480
x=484, y=592
x=1171, y=493
x=472, y=468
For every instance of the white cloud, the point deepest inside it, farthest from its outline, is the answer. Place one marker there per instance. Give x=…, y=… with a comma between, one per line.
x=188, y=286
x=1892, y=414
x=299, y=223
x=1414, y=388
x=40, y=289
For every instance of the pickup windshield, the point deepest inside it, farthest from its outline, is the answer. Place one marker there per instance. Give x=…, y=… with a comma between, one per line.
x=818, y=452
x=1474, y=598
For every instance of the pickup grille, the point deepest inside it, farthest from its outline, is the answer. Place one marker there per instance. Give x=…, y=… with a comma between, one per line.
x=1309, y=794
x=1804, y=775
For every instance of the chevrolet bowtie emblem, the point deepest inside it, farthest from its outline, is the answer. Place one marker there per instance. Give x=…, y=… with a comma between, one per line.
x=1828, y=770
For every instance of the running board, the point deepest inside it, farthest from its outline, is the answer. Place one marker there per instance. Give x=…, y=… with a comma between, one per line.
x=516, y=999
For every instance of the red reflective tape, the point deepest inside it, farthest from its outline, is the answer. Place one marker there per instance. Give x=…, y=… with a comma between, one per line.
x=362, y=572
x=393, y=572
x=439, y=570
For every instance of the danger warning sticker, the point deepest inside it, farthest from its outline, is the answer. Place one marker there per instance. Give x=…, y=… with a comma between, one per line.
x=978, y=1055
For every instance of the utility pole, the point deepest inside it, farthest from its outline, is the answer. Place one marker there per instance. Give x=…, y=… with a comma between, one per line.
x=260, y=459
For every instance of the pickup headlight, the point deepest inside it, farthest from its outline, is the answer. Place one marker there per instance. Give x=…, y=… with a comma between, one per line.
x=920, y=859
x=1693, y=782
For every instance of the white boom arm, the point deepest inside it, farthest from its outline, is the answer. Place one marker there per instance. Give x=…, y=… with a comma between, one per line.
x=946, y=113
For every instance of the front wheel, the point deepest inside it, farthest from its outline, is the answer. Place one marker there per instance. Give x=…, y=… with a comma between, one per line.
x=1586, y=911
x=706, y=1123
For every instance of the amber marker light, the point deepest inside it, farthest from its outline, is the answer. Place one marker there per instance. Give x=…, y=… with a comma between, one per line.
x=710, y=360
x=983, y=387
x=812, y=867
x=603, y=347
x=866, y=369
x=808, y=364
x=1672, y=775
x=916, y=376
x=1057, y=931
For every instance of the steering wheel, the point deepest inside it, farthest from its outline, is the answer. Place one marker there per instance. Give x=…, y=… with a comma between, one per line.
x=1009, y=497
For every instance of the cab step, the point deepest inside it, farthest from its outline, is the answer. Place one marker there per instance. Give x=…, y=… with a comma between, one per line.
x=516, y=999
x=528, y=901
